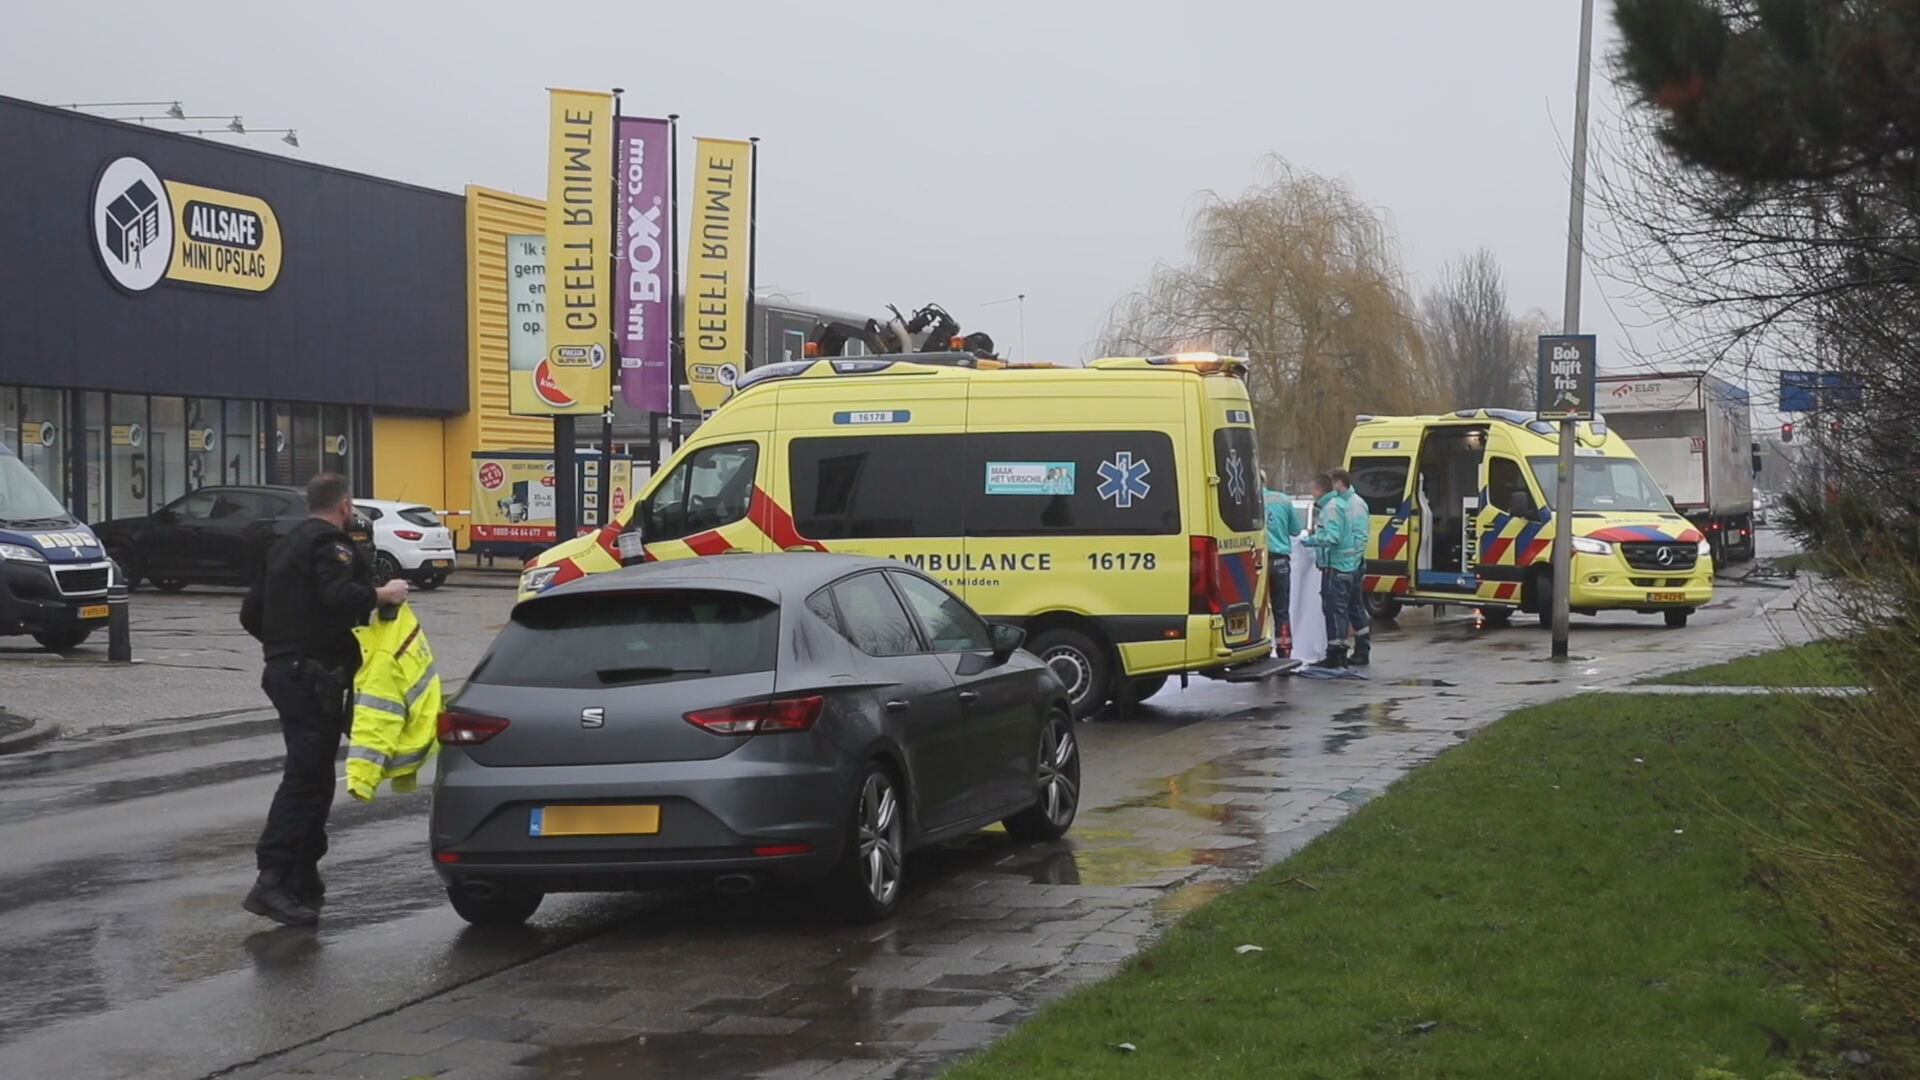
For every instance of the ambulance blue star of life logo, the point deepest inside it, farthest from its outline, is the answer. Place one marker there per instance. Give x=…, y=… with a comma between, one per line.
x=1123, y=480
x=1236, y=476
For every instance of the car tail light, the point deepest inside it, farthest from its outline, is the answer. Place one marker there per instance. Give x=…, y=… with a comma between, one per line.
x=1203, y=576
x=446, y=856
x=468, y=729
x=409, y=534
x=760, y=718
x=768, y=850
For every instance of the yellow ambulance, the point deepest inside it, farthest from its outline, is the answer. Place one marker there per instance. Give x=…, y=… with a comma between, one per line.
x=1461, y=511
x=1113, y=511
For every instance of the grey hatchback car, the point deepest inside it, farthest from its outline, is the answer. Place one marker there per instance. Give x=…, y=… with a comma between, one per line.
x=736, y=720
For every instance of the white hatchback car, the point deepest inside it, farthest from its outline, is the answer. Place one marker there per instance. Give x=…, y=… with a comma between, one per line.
x=410, y=542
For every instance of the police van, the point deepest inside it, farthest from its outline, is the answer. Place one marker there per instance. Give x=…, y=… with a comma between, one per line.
x=1462, y=514
x=1113, y=511
x=53, y=572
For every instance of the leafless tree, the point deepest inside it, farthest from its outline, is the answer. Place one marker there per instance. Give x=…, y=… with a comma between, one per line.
x=1303, y=279
x=1479, y=350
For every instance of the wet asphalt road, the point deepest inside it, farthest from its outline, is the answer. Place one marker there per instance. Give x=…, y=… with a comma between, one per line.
x=127, y=849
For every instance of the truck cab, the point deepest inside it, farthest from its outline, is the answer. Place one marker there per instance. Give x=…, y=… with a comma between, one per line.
x=54, y=574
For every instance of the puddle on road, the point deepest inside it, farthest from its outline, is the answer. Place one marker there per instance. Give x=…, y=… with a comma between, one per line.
x=1352, y=725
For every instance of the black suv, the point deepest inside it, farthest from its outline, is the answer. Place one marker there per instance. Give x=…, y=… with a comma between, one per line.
x=213, y=536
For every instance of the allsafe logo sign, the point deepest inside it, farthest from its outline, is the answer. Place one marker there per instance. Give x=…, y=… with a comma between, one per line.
x=146, y=230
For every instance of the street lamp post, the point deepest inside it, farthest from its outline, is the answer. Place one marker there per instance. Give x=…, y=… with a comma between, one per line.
x=1019, y=299
x=1576, y=235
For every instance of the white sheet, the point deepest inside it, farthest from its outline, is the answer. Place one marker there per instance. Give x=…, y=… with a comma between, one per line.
x=1309, y=619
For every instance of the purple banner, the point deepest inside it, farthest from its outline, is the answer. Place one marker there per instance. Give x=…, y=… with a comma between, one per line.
x=643, y=308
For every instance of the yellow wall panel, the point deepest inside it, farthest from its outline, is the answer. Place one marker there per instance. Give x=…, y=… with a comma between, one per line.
x=409, y=459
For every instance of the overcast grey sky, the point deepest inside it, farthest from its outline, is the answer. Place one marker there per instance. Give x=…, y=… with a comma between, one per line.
x=957, y=153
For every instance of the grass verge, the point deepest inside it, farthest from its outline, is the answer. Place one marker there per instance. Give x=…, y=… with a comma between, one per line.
x=1556, y=898
x=1822, y=663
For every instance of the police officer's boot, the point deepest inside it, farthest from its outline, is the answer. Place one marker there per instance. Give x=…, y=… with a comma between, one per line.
x=1336, y=656
x=304, y=883
x=1362, y=649
x=270, y=898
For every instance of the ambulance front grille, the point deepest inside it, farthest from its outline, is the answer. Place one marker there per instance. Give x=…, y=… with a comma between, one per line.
x=1659, y=556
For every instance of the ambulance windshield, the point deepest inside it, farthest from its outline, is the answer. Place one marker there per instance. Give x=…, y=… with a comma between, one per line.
x=23, y=498
x=1604, y=484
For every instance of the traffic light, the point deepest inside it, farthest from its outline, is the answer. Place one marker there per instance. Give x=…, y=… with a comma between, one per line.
x=1786, y=431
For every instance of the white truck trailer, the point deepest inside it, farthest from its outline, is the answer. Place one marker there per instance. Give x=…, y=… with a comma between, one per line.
x=1694, y=432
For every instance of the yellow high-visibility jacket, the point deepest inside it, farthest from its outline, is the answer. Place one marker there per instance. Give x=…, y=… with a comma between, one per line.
x=396, y=705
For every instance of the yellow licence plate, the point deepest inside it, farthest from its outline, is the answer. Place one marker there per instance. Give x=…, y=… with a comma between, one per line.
x=94, y=611
x=1666, y=598
x=594, y=821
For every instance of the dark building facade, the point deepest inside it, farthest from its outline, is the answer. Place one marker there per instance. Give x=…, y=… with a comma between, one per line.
x=176, y=312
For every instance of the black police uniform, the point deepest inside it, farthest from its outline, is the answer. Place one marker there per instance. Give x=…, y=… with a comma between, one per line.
x=316, y=588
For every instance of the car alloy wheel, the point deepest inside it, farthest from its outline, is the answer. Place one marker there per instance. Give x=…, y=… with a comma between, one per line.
x=1056, y=784
x=880, y=839
x=1059, y=773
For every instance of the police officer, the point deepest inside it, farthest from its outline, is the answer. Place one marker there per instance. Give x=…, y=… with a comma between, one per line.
x=316, y=587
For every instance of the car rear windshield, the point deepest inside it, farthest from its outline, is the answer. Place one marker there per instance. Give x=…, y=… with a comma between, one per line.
x=421, y=516
x=623, y=639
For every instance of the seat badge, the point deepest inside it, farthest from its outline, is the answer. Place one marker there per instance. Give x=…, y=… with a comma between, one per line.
x=593, y=717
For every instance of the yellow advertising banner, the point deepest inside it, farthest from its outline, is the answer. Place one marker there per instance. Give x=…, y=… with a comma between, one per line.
x=573, y=376
x=715, y=323
x=223, y=238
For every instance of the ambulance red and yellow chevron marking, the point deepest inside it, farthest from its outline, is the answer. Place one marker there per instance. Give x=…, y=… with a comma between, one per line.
x=765, y=517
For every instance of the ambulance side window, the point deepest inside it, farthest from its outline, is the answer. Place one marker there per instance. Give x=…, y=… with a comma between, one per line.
x=711, y=488
x=863, y=487
x=1075, y=483
x=1382, y=482
x=1507, y=488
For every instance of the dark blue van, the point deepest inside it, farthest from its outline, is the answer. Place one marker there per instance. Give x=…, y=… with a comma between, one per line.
x=53, y=573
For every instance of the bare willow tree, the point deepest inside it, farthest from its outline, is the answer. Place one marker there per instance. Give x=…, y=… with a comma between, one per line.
x=1480, y=352
x=1303, y=279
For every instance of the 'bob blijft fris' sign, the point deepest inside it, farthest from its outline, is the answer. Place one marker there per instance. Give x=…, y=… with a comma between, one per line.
x=147, y=230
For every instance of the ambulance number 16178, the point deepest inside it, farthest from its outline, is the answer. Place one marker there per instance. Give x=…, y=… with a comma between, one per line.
x=1121, y=560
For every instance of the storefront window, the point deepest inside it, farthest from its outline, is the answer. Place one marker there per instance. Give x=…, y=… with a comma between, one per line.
x=277, y=442
x=336, y=438
x=167, y=448
x=43, y=413
x=239, y=443
x=203, y=443
x=10, y=416
x=127, y=441
x=95, y=407
x=303, y=443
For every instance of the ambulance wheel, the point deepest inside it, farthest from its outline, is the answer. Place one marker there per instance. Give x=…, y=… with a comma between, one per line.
x=494, y=905
x=62, y=640
x=1496, y=617
x=169, y=584
x=1082, y=665
x=1677, y=618
x=1381, y=607
x=1139, y=690
x=1541, y=590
